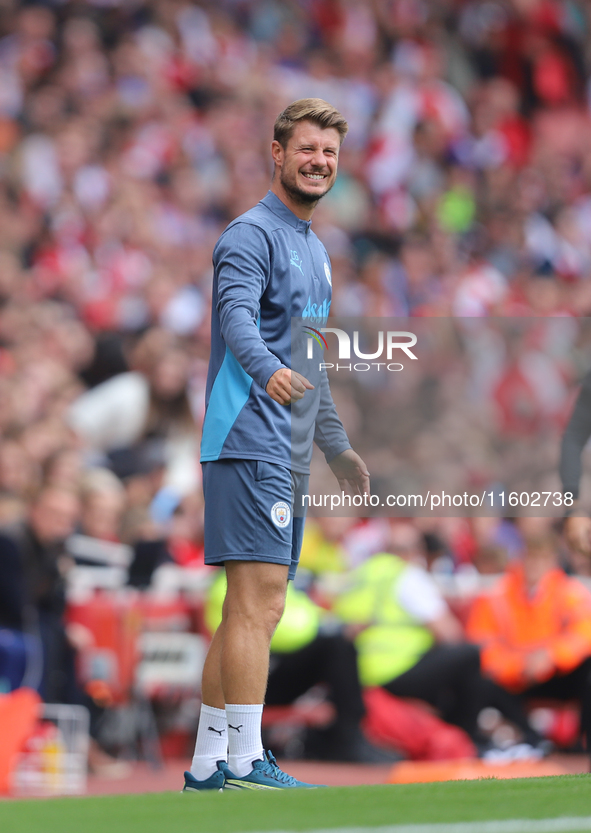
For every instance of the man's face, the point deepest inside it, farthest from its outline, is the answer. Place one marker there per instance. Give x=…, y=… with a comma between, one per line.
x=307, y=167
x=54, y=515
x=406, y=542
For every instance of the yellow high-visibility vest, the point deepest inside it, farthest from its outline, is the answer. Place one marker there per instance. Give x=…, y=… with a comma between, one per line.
x=393, y=640
x=297, y=628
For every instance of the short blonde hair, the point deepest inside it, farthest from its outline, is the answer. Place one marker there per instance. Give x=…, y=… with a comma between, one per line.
x=308, y=109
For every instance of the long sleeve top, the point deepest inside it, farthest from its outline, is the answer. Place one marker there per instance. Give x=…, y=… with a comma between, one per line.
x=269, y=270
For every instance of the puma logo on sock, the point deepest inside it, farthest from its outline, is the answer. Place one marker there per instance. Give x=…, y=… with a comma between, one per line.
x=237, y=728
x=219, y=731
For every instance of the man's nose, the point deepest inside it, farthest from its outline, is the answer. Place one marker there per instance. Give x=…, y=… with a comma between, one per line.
x=319, y=159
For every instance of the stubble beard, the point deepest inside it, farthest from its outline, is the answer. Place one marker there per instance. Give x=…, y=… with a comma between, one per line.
x=300, y=196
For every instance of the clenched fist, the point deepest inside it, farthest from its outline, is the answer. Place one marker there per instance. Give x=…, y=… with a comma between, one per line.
x=286, y=386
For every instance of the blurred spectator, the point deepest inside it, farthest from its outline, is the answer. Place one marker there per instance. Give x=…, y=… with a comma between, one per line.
x=185, y=535
x=322, y=548
x=33, y=585
x=18, y=474
x=64, y=468
x=534, y=627
x=133, y=410
x=408, y=640
x=103, y=504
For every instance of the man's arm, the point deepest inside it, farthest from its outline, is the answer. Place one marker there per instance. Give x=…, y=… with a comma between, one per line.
x=242, y=261
x=418, y=594
x=577, y=528
x=572, y=643
x=351, y=472
x=331, y=438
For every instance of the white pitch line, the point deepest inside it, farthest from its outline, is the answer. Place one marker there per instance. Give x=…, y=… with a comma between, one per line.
x=556, y=825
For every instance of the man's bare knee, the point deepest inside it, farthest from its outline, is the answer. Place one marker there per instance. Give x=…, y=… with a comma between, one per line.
x=256, y=593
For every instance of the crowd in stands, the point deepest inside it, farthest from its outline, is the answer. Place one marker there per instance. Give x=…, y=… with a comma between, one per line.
x=133, y=131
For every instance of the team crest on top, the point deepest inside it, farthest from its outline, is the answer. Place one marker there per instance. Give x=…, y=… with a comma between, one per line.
x=280, y=514
x=327, y=273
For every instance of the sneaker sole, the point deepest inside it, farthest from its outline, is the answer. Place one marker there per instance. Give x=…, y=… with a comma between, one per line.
x=247, y=785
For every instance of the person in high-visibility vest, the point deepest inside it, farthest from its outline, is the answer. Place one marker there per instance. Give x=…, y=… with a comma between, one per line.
x=534, y=627
x=304, y=653
x=409, y=642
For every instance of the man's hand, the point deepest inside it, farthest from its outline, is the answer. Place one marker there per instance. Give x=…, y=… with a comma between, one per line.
x=577, y=531
x=539, y=666
x=350, y=470
x=286, y=386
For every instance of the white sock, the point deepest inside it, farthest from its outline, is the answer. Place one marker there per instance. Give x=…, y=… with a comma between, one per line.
x=212, y=742
x=245, y=744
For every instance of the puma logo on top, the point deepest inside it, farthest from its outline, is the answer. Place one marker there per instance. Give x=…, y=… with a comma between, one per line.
x=296, y=261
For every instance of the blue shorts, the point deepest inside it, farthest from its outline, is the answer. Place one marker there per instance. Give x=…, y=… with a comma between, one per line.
x=249, y=512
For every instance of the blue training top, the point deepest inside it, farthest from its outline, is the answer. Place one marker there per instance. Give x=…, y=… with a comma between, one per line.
x=269, y=267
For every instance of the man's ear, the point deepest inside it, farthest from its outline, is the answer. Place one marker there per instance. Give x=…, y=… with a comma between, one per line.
x=277, y=152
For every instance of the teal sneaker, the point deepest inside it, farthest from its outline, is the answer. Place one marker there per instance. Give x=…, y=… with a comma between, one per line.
x=265, y=775
x=214, y=782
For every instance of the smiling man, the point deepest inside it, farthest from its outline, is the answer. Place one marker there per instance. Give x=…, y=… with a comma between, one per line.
x=269, y=266
x=306, y=158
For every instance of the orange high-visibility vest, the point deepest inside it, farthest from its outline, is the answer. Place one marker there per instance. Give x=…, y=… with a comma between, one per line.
x=508, y=624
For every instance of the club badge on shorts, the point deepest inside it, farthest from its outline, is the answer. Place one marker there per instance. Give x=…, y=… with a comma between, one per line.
x=280, y=514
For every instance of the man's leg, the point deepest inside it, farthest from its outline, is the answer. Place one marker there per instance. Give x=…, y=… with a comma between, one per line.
x=512, y=707
x=236, y=669
x=332, y=660
x=327, y=659
x=211, y=745
x=253, y=607
x=447, y=676
x=237, y=666
x=211, y=678
x=575, y=684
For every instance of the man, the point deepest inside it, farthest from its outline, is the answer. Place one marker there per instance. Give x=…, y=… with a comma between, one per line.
x=269, y=267
x=577, y=525
x=534, y=627
x=33, y=567
x=32, y=588
x=408, y=640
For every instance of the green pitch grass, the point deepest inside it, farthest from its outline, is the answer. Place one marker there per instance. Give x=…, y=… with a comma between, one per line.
x=303, y=810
